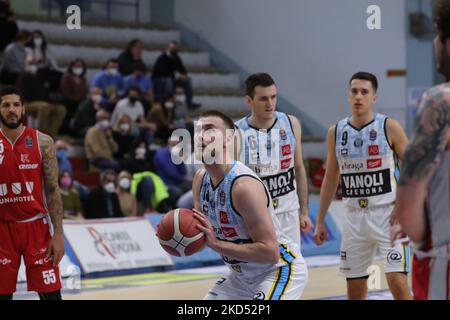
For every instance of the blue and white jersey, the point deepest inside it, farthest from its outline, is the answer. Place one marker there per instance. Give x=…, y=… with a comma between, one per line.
x=270, y=154
x=216, y=203
x=367, y=162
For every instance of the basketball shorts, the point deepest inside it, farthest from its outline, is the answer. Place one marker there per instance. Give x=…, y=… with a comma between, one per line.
x=290, y=224
x=281, y=283
x=30, y=240
x=366, y=234
x=431, y=274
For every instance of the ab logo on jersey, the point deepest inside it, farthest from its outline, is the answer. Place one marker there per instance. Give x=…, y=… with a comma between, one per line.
x=363, y=203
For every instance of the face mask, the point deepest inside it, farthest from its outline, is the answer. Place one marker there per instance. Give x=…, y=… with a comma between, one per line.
x=37, y=42
x=66, y=181
x=32, y=68
x=110, y=187
x=104, y=124
x=124, y=183
x=169, y=104
x=62, y=153
x=77, y=71
x=112, y=71
x=180, y=98
x=174, y=52
x=140, y=152
x=97, y=98
x=125, y=126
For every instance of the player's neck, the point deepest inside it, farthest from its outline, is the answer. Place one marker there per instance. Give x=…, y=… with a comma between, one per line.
x=359, y=121
x=217, y=171
x=12, y=134
x=261, y=123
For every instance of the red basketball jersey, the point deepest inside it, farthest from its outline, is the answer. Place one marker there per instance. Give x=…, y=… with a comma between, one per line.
x=21, y=177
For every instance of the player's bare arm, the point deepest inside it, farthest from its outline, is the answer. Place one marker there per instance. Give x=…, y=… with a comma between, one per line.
x=53, y=196
x=397, y=137
x=422, y=159
x=328, y=189
x=300, y=177
x=247, y=195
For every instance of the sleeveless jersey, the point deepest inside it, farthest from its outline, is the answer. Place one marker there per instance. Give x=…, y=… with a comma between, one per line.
x=270, y=154
x=368, y=164
x=216, y=203
x=21, y=178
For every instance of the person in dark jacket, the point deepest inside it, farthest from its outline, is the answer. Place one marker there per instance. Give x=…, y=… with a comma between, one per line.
x=103, y=201
x=131, y=57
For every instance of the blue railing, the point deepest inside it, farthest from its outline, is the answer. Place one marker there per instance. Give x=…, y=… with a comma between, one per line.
x=85, y=6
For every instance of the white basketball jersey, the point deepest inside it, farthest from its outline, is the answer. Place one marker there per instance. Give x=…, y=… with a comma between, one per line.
x=368, y=164
x=270, y=154
x=228, y=225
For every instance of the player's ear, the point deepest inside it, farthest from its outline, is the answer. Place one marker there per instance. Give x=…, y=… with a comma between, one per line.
x=248, y=100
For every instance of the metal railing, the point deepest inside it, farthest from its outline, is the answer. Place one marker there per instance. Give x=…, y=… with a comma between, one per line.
x=85, y=6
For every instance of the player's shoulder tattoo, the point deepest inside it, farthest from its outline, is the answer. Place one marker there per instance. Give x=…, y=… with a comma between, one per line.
x=430, y=136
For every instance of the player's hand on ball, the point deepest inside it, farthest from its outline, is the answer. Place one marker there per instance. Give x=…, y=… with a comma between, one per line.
x=206, y=228
x=55, y=248
x=320, y=233
x=306, y=224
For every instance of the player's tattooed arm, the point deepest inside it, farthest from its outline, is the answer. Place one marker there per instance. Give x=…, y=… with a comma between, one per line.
x=50, y=171
x=430, y=139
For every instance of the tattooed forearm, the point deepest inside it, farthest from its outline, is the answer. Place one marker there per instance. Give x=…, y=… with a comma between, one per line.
x=422, y=155
x=50, y=171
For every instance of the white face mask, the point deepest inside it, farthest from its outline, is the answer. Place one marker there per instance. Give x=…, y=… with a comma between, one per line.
x=169, y=104
x=37, y=42
x=124, y=183
x=97, y=98
x=140, y=152
x=125, y=126
x=180, y=98
x=32, y=68
x=112, y=71
x=104, y=124
x=110, y=187
x=77, y=71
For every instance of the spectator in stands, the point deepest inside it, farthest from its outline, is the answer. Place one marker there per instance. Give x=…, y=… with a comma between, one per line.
x=128, y=202
x=14, y=58
x=151, y=192
x=133, y=107
x=131, y=57
x=85, y=117
x=140, y=159
x=110, y=81
x=180, y=115
x=8, y=25
x=103, y=201
x=172, y=174
x=140, y=78
x=163, y=75
x=62, y=150
x=73, y=89
x=123, y=136
x=72, y=208
x=100, y=145
x=161, y=116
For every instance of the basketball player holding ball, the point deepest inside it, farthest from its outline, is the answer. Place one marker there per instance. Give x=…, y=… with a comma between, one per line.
x=363, y=151
x=28, y=166
x=423, y=205
x=236, y=214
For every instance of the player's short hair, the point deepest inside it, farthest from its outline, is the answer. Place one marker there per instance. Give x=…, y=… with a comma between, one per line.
x=229, y=124
x=441, y=17
x=257, y=79
x=10, y=90
x=366, y=76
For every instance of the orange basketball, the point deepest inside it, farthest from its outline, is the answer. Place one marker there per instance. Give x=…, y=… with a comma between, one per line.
x=178, y=234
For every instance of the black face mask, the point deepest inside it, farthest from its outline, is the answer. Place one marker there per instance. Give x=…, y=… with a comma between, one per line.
x=174, y=52
x=133, y=100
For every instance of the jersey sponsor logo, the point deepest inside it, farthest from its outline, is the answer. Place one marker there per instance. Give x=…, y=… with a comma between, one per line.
x=374, y=150
x=373, y=135
x=236, y=268
x=394, y=257
x=223, y=217
x=16, y=188
x=275, y=203
x=354, y=166
x=30, y=186
x=24, y=158
x=28, y=166
x=2, y=149
x=358, y=143
x=280, y=184
x=265, y=169
x=343, y=255
x=363, y=203
x=220, y=281
x=367, y=184
x=286, y=150
x=229, y=232
x=205, y=209
x=2, y=157
x=285, y=163
x=374, y=163
x=222, y=198
x=28, y=142
x=229, y=260
x=259, y=296
x=344, y=152
x=283, y=134
x=3, y=189
x=43, y=261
